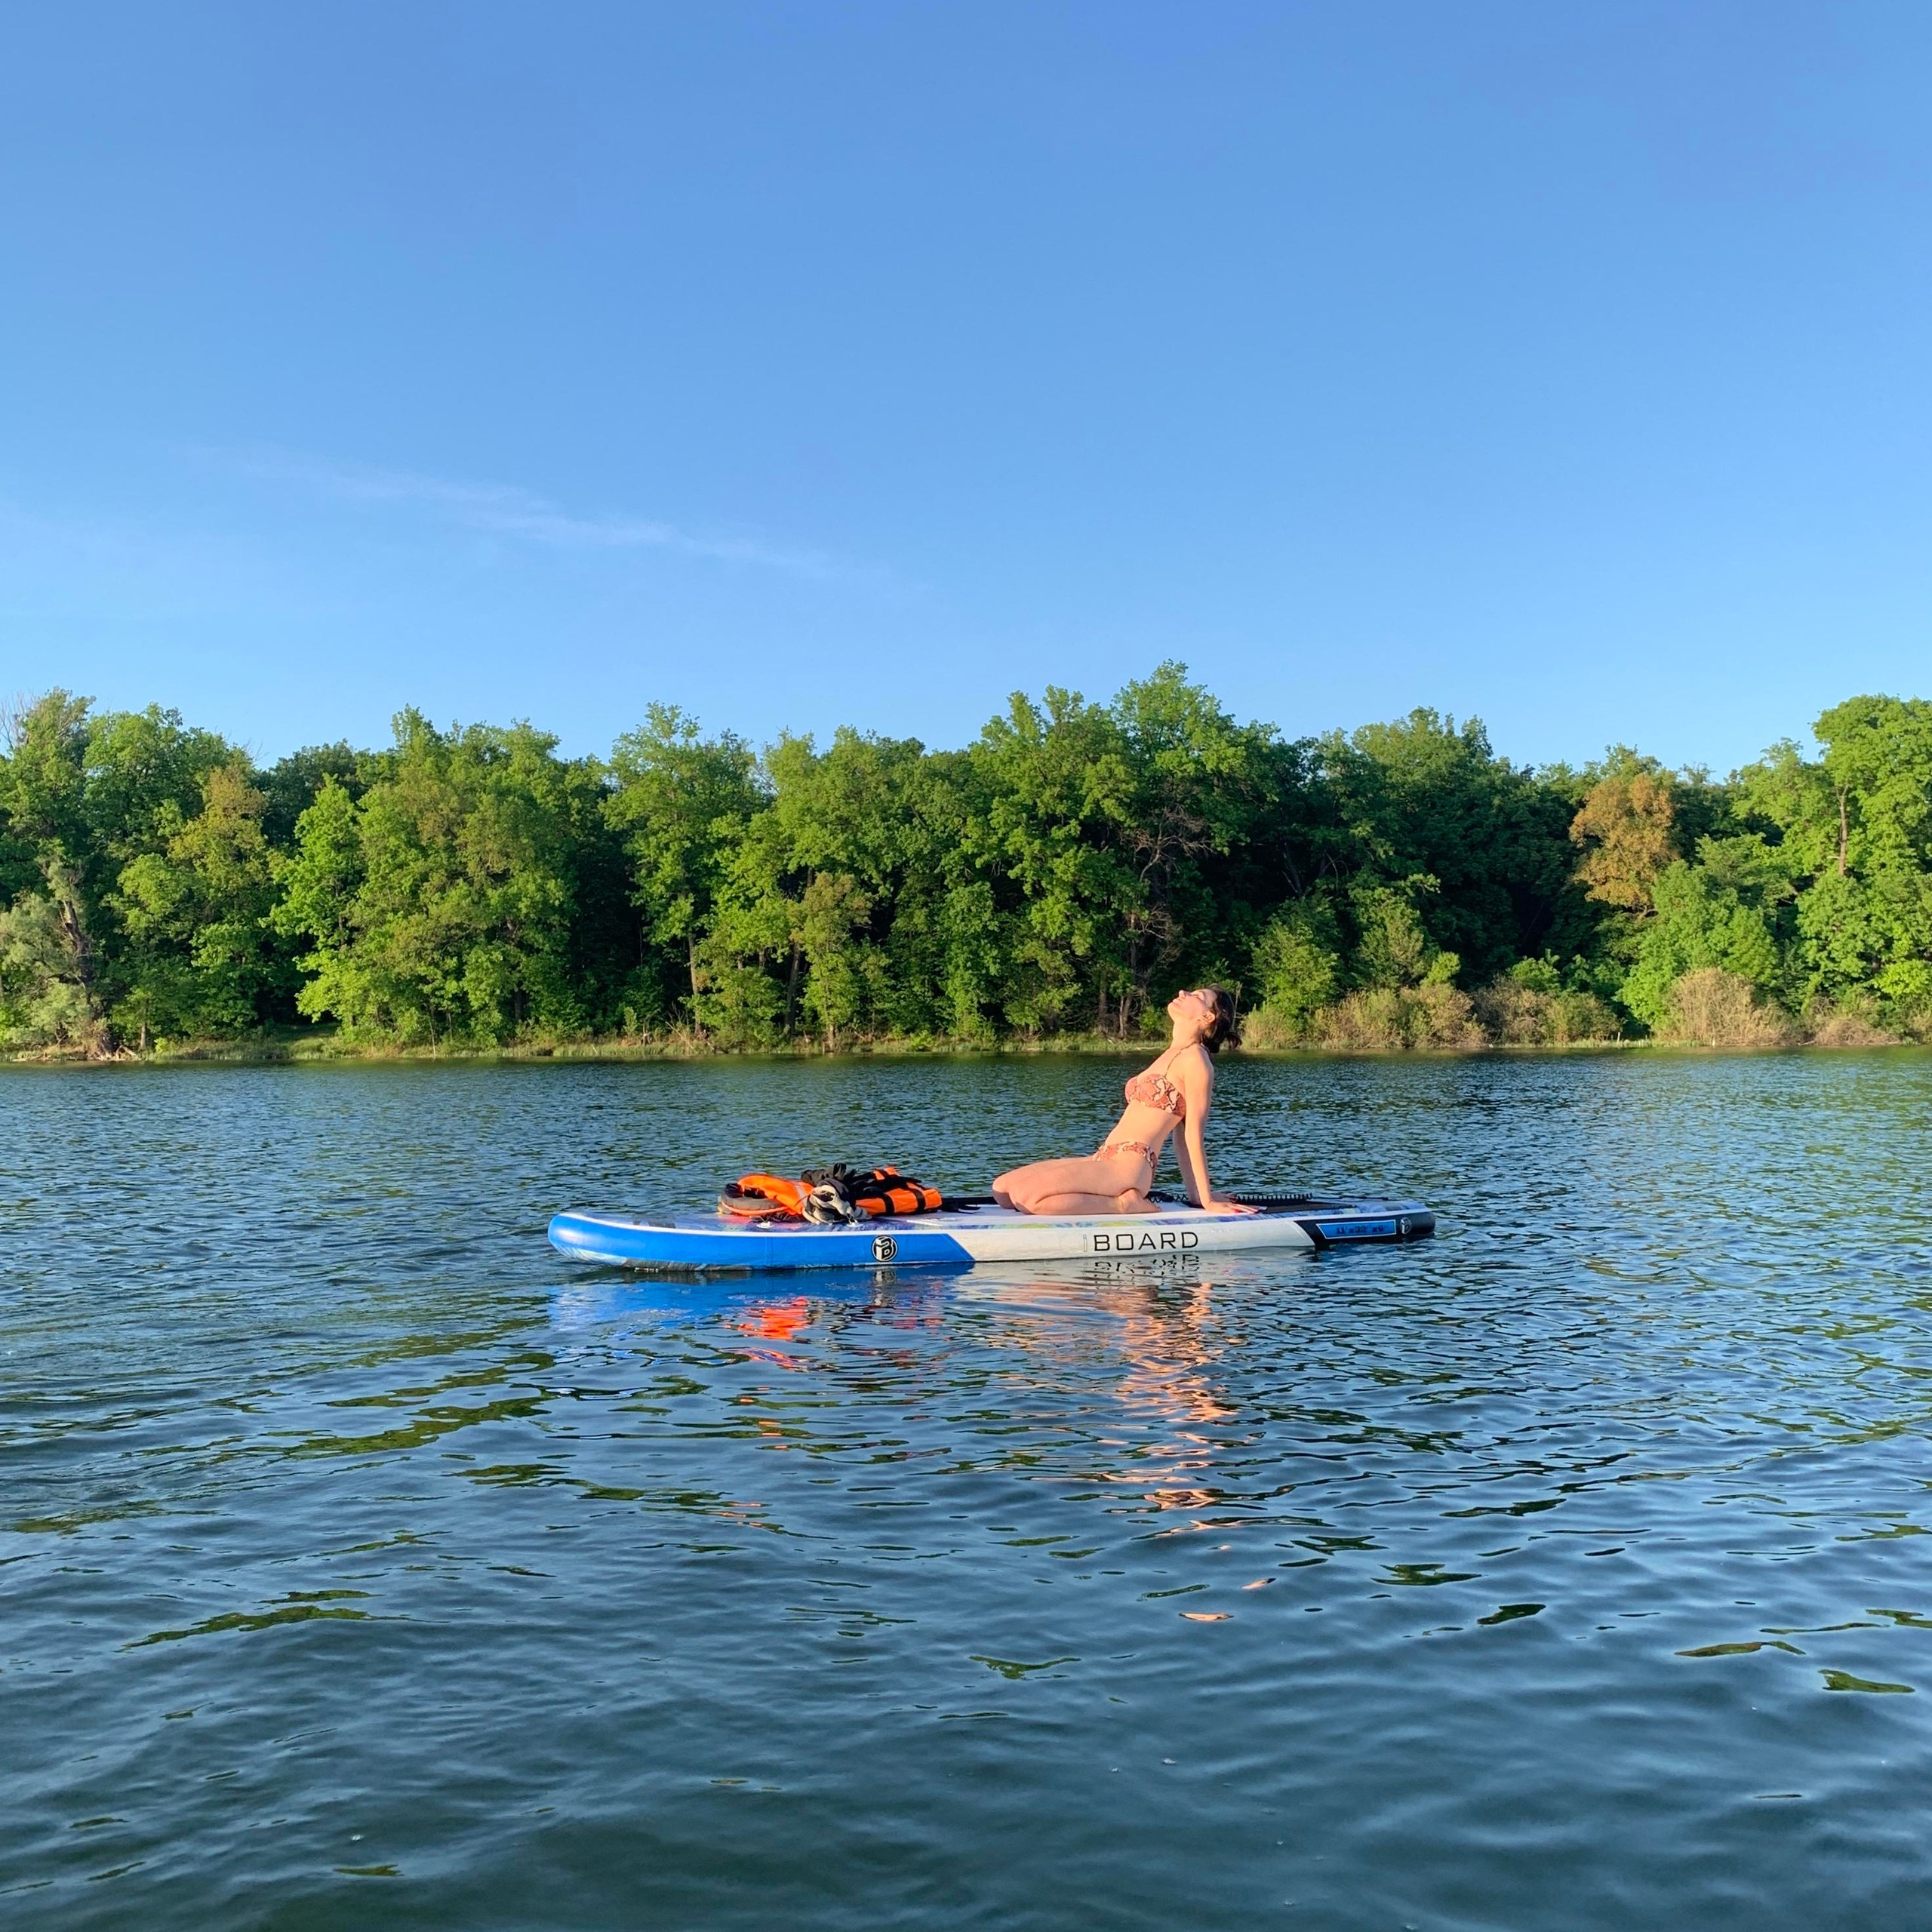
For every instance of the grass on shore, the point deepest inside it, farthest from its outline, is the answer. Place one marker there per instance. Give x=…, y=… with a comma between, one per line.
x=1720, y=1030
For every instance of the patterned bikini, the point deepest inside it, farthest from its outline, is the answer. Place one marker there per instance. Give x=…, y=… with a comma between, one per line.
x=1149, y=1090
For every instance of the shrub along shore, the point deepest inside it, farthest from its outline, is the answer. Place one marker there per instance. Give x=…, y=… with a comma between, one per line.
x=1402, y=887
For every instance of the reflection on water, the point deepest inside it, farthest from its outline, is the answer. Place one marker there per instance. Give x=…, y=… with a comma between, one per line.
x=363, y=1563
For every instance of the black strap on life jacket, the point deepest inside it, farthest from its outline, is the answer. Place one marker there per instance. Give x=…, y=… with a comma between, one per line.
x=875, y=1191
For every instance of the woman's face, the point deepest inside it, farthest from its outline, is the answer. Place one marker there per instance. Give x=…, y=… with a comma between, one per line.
x=1197, y=1005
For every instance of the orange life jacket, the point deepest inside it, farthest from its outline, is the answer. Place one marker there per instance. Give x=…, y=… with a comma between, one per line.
x=874, y=1191
x=886, y=1191
x=764, y=1198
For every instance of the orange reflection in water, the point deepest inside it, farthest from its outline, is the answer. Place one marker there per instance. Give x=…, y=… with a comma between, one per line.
x=778, y=1321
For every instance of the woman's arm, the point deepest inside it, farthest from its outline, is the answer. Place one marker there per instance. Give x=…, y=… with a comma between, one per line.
x=1197, y=1082
x=1192, y=1184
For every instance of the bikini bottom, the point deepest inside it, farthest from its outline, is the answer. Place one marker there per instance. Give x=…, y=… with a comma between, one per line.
x=1146, y=1152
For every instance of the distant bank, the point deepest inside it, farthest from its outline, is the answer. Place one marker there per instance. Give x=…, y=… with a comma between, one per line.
x=1401, y=888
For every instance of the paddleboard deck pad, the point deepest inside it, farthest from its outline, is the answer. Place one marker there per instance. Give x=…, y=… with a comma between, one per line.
x=961, y=1236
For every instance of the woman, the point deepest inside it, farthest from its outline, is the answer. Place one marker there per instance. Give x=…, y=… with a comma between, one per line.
x=1175, y=1092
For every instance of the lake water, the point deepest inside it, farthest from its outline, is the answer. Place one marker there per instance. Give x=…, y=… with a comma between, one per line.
x=361, y=1563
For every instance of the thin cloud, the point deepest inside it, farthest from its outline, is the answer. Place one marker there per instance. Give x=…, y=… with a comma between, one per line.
x=505, y=510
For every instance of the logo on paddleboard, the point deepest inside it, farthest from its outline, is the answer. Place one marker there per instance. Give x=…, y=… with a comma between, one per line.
x=884, y=1247
x=1145, y=1240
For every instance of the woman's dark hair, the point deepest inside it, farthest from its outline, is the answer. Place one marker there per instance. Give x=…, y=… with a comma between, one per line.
x=1224, y=1031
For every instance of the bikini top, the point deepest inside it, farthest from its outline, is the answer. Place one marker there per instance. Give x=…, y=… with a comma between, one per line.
x=1156, y=1090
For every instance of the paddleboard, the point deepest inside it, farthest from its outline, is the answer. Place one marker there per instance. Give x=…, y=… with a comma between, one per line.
x=962, y=1236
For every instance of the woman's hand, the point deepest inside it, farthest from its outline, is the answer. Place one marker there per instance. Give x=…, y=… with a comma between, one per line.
x=1212, y=1206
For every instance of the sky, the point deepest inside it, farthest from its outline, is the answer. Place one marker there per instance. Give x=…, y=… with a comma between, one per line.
x=1568, y=366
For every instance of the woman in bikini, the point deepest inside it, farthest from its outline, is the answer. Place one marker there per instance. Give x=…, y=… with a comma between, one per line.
x=1174, y=1093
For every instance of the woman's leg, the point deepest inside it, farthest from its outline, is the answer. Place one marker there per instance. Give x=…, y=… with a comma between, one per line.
x=1131, y=1202
x=1116, y=1184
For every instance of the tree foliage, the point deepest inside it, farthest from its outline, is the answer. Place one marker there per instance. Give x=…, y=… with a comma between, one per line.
x=1062, y=872
x=439, y=904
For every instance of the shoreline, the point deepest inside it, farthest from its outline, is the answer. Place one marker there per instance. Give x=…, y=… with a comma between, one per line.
x=325, y=1049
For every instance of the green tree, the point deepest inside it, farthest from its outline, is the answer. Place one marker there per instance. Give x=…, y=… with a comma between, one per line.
x=1124, y=844
x=438, y=906
x=1852, y=834
x=681, y=803
x=194, y=910
x=1875, y=925
x=1701, y=919
x=92, y=803
x=1051, y=779
x=46, y=996
x=1201, y=790
x=291, y=785
x=1394, y=949
x=49, y=963
x=1297, y=964
x=1425, y=798
x=850, y=892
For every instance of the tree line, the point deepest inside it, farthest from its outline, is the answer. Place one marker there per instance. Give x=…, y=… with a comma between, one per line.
x=1400, y=885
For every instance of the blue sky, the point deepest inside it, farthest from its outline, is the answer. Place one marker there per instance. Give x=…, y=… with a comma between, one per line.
x=1563, y=365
